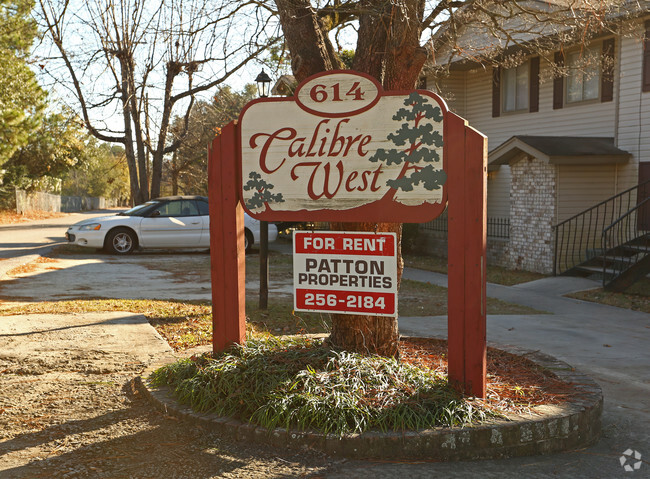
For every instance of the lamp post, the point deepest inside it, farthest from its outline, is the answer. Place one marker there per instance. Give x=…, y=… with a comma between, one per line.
x=263, y=89
x=263, y=84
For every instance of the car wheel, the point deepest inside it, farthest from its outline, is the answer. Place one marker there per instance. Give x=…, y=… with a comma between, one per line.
x=121, y=241
x=248, y=240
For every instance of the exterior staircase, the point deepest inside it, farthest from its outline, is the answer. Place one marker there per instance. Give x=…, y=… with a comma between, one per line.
x=610, y=240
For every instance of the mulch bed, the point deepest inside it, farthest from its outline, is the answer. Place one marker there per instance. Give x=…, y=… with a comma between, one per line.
x=514, y=383
x=11, y=217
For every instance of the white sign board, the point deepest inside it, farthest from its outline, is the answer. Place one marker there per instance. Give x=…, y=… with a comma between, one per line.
x=345, y=272
x=341, y=149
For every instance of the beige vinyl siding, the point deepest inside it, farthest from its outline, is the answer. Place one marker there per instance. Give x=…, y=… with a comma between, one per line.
x=633, y=134
x=626, y=118
x=581, y=187
x=592, y=119
x=588, y=119
x=452, y=90
x=498, y=193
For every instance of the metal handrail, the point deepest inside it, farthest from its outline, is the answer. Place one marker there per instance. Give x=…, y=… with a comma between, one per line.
x=625, y=232
x=613, y=198
x=579, y=237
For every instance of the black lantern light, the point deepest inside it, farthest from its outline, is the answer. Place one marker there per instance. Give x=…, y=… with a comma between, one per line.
x=263, y=84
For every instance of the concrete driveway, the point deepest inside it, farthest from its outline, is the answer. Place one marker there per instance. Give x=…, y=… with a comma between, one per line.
x=23, y=242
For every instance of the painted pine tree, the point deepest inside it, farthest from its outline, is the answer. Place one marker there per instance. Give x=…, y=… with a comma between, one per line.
x=262, y=195
x=417, y=142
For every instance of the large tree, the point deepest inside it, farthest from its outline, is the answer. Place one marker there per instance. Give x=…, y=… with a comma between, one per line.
x=21, y=99
x=394, y=40
x=101, y=171
x=50, y=151
x=143, y=63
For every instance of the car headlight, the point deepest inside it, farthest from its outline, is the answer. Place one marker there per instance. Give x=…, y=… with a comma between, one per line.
x=91, y=226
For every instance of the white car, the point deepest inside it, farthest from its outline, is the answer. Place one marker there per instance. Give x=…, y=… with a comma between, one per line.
x=170, y=222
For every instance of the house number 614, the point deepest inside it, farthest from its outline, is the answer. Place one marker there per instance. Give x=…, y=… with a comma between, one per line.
x=321, y=93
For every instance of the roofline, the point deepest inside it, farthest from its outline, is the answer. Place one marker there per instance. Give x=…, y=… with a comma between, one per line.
x=464, y=63
x=515, y=149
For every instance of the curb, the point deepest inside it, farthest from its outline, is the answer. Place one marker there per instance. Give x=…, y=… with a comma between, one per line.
x=549, y=429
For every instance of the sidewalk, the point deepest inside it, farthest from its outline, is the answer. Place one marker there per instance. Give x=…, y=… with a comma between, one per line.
x=23, y=242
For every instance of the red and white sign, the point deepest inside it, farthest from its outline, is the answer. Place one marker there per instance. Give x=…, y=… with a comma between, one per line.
x=345, y=272
x=343, y=149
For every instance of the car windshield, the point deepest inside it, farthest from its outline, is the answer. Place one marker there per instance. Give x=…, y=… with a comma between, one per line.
x=138, y=210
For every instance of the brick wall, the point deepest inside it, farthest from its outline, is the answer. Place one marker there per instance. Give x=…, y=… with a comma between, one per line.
x=532, y=212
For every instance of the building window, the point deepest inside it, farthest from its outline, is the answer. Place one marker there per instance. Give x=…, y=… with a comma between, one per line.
x=515, y=83
x=583, y=78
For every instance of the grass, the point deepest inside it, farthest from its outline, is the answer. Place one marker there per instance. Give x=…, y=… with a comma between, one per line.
x=300, y=383
x=187, y=324
x=495, y=274
x=636, y=297
x=280, y=318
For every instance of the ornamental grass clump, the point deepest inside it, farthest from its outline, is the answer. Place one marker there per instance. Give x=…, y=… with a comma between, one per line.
x=300, y=383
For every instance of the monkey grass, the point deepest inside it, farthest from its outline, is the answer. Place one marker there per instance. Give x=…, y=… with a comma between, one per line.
x=300, y=383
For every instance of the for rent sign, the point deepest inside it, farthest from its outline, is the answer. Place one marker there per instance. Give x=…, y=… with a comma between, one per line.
x=345, y=272
x=343, y=149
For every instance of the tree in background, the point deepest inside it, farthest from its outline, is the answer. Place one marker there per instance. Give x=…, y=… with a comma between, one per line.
x=21, y=99
x=187, y=171
x=101, y=172
x=50, y=151
x=145, y=63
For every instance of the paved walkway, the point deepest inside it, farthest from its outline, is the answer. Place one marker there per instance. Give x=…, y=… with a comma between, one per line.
x=23, y=242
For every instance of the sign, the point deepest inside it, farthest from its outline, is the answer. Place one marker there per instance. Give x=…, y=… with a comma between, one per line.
x=343, y=149
x=345, y=272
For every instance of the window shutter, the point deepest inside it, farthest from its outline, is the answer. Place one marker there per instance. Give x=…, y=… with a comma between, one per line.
x=607, y=78
x=533, y=101
x=558, y=82
x=646, y=58
x=496, y=92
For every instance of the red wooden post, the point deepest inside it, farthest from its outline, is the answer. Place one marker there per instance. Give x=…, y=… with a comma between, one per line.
x=227, y=249
x=466, y=153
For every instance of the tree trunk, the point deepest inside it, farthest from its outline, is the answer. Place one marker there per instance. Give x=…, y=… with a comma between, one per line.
x=368, y=334
x=388, y=49
x=311, y=50
x=136, y=192
x=175, y=173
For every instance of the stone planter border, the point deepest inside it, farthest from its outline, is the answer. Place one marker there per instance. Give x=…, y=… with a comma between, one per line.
x=548, y=429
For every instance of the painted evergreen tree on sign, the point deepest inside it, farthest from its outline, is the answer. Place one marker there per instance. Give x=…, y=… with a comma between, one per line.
x=262, y=196
x=420, y=141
